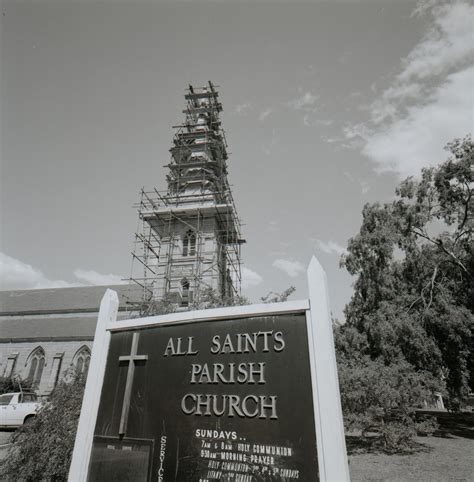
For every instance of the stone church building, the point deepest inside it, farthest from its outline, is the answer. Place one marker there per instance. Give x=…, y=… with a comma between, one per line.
x=45, y=332
x=189, y=242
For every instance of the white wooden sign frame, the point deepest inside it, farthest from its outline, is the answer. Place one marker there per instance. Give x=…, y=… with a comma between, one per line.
x=332, y=455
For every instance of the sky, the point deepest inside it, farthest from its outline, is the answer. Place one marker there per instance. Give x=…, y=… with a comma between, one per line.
x=327, y=106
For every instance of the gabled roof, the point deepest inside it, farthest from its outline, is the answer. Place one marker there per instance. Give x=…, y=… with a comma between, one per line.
x=84, y=299
x=48, y=328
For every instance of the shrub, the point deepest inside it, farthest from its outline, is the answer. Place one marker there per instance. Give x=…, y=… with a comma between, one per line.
x=380, y=398
x=13, y=384
x=426, y=426
x=42, y=449
x=398, y=435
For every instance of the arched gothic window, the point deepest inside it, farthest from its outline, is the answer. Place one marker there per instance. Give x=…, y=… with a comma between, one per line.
x=189, y=243
x=36, y=361
x=82, y=359
x=184, y=292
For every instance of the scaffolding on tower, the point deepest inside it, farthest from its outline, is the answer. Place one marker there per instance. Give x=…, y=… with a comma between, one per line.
x=189, y=236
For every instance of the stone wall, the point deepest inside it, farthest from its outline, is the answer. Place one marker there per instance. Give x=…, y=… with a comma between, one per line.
x=16, y=357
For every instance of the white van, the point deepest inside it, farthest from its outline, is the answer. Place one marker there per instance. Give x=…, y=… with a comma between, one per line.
x=17, y=408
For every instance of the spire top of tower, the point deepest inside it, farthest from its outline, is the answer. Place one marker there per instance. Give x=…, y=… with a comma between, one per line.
x=190, y=238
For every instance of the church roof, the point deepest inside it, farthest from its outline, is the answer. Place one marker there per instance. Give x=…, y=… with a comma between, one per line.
x=47, y=328
x=59, y=313
x=63, y=300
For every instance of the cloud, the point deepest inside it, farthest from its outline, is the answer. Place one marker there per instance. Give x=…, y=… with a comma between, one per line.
x=268, y=146
x=264, y=114
x=307, y=120
x=356, y=134
x=16, y=275
x=446, y=45
x=332, y=139
x=417, y=139
x=242, y=109
x=310, y=120
x=291, y=268
x=364, y=186
x=429, y=102
x=273, y=226
x=97, y=279
x=330, y=247
x=325, y=122
x=345, y=56
x=278, y=252
x=349, y=176
x=304, y=102
x=250, y=278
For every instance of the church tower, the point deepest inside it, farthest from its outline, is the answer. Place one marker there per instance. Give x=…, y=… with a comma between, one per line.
x=190, y=234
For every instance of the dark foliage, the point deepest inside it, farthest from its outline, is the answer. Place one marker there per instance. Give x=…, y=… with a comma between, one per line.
x=409, y=328
x=42, y=448
x=209, y=298
x=273, y=297
x=13, y=384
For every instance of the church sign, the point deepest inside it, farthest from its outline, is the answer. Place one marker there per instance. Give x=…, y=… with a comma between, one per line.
x=229, y=394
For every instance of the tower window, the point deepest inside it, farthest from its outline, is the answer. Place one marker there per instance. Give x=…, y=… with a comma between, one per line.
x=184, y=292
x=189, y=244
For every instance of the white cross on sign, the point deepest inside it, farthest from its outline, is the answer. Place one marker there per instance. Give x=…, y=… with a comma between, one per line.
x=131, y=359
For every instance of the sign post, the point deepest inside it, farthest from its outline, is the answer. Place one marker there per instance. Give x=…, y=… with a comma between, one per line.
x=243, y=393
x=332, y=454
x=90, y=403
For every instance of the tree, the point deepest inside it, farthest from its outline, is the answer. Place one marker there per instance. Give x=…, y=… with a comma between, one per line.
x=409, y=328
x=13, y=384
x=381, y=397
x=273, y=297
x=151, y=307
x=42, y=448
x=210, y=298
x=414, y=262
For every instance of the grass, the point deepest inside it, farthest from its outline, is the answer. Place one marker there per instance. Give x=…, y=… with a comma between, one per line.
x=446, y=456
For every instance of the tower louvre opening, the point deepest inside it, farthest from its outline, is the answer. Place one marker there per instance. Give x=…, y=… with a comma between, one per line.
x=191, y=231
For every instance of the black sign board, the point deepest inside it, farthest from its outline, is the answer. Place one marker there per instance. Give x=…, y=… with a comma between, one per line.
x=212, y=400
